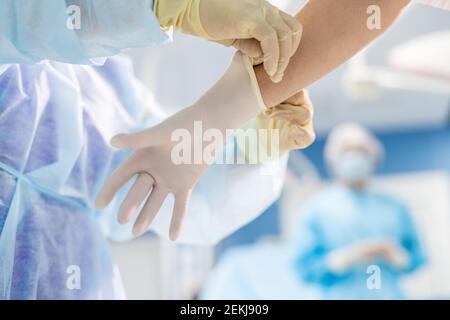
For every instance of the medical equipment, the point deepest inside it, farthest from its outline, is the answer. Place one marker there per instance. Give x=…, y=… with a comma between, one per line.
x=443, y=4
x=354, y=166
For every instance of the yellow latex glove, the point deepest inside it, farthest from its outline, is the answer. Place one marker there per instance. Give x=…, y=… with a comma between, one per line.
x=366, y=251
x=255, y=27
x=233, y=100
x=289, y=126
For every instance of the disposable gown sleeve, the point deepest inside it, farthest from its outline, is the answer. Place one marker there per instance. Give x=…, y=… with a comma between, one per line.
x=311, y=263
x=74, y=31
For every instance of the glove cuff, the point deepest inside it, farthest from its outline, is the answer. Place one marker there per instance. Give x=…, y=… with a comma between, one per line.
x=255, y=150
x=182, y=15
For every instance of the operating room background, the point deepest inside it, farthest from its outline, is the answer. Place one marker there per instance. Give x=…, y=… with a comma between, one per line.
x=412, y=121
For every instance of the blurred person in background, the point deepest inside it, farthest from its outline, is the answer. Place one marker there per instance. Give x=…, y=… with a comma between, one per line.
x=64, y=95
x=352, y=241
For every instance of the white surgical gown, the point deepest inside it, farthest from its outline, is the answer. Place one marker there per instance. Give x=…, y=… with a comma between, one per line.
x=55, y=123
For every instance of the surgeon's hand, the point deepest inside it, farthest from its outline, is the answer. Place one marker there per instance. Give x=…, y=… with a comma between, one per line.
x=158, y=174
x=255, y=27
x=233, y=100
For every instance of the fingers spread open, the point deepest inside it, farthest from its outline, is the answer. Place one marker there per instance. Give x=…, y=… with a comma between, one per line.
x=284, y=35
x=150, y=209
x=179, y=212
x=135, y=197
x=117, y=179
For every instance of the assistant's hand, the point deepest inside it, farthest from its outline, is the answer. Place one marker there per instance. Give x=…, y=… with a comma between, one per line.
x=255, y=27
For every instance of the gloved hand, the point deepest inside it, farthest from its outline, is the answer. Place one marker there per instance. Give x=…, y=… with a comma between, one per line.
x=392, y=253
x=234, y=99
x=289, y=126
x=255, y=27
x=365, y=251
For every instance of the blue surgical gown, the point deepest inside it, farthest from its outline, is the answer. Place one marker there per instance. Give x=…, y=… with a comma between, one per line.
x=339, y=217
x=57, y=116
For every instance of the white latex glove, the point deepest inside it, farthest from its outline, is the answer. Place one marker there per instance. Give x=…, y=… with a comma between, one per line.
x=230, y=102
x=342, y=259
x=255, y=27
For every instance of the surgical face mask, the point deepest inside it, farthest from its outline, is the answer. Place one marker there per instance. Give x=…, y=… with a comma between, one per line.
x=354, y=166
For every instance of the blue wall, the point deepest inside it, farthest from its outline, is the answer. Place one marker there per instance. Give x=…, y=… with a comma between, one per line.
x=405, y=152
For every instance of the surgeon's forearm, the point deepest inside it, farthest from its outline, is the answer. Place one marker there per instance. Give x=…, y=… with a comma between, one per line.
x=333, y=31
